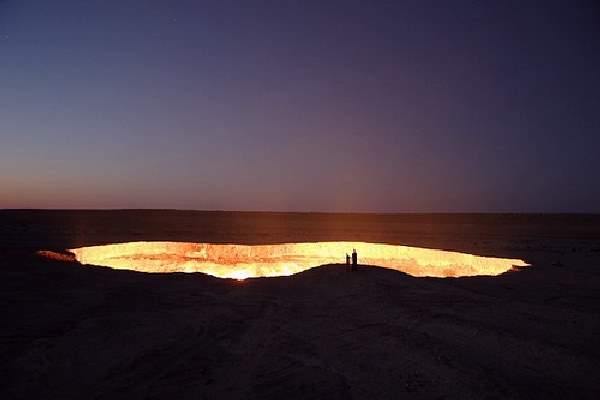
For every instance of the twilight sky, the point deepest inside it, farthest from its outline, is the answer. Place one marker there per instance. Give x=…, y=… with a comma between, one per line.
x=300, y=105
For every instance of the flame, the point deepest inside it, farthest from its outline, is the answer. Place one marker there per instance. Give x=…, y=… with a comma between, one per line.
x=243, y=261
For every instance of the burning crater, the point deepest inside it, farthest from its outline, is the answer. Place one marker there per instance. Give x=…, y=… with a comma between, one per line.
x=242, y=261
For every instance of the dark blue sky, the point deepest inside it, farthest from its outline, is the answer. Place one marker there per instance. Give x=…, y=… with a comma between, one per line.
x=300, y=105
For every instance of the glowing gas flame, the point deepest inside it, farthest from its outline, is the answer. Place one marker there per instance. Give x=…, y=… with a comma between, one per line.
x=242, y=261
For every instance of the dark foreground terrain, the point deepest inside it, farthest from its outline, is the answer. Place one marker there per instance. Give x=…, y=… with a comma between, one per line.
x=72, y=331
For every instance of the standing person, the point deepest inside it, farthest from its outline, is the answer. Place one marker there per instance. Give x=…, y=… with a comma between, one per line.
x=354, y=259
x=347, y=259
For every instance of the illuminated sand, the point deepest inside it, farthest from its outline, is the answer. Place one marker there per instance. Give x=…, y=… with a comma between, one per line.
x=243, y=261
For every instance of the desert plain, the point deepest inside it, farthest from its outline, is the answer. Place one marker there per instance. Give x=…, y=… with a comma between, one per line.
x=72, y=331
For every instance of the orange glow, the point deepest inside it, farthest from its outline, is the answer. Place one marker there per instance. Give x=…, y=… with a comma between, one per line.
x=242, y=261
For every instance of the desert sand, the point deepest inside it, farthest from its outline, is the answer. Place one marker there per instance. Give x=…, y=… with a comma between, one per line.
x=72, y=331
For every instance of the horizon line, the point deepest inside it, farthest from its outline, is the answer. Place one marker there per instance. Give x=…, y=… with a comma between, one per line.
x=313, y=211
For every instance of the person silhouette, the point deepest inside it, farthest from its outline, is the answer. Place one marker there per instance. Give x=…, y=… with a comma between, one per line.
x=354, y=259
x=347, y=259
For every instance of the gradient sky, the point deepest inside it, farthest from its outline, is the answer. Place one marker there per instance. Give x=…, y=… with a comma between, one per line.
x=300, y=105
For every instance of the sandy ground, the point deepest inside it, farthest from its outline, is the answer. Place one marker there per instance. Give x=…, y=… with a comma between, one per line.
x=71, y=331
